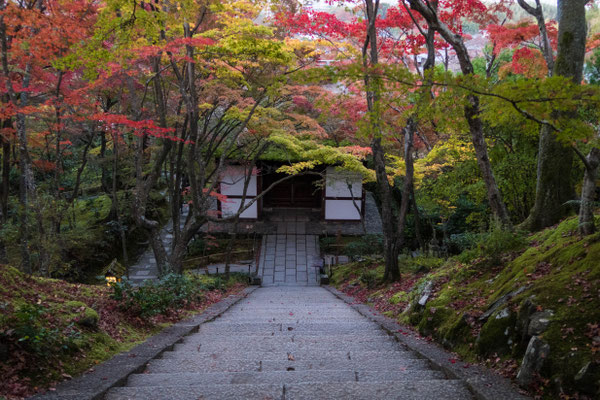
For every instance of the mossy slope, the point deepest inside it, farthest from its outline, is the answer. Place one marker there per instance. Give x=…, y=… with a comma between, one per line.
x=558, y=271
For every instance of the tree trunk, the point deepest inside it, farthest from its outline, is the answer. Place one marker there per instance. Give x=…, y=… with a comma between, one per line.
x=392, y=273
x=407, y=187
x=471, y=110
x=588, y=193
x=538, y=13
x=370, y=59
x=4, y=191
x=555, y=160
x=26, y=186
x=115, y=202
x=102, y=157
x=493, y=192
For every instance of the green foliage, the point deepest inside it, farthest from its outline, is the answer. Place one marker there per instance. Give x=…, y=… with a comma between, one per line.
x=419, y=264
x=592, y=69
x=326, y=244
x=499, y=241
x=369, y=278
x=460, y=242
x=28, y=327
x=490, y=246
x=196, y=247
x=368, y=245
x=171, y=291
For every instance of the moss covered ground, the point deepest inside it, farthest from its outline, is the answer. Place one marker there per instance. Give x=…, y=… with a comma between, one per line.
x=556, y=269
x=51, y=330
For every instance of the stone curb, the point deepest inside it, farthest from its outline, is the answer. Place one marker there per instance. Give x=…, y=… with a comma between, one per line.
x=114, y=372
x=483, y=383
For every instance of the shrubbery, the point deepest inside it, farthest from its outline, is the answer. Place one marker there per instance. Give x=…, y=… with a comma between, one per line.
x=171, y=292
x=493, y=244
x=369, y=277
x=28, y=330
x=367, y=245
x=459, y=242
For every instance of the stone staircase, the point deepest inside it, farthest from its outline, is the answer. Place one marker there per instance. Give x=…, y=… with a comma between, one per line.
x=285, y=342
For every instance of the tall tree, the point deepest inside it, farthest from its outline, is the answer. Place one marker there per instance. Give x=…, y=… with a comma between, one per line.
x=429, y=11
x=554, y=186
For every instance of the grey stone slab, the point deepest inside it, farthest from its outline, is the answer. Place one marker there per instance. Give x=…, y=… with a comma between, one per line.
x=292, y=347
x=206, y=392
x=363, y=367
x=204, y=365
x=268, y=280
x=399, y=374
x=417, y=390
x=317, y=356
x=237, y=378
x=328, y=327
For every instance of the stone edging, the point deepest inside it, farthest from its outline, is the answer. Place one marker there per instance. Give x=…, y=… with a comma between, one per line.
x=114, y=372
x=483, y=383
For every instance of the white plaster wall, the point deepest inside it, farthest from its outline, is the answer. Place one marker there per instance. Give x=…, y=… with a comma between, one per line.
x=337, y=183
x=342, y=210
x=231, y=207
x=232, y=182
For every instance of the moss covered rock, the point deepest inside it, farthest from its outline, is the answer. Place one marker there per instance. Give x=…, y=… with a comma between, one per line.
x=432, y=318
x=458, y=333
x=588, y=378
x=497, y=334
x=82, y=314
x=399, y=297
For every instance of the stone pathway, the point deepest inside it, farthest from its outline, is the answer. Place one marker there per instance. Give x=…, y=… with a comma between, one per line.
x=290, y=257
x=145, y=267
x=290, y=343
x=289, y=260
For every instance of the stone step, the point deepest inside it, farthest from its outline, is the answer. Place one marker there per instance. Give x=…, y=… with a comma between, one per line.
x=240, y=346
x=229, y=327
x=288, y=331
x=324, y=340
x=284, y=309
x=289, y=319
x=211, y=365
x=416, y=390
x=205, y=392
x=275, y=377
x=296, y=312
x=306, y=355
x=413, y=390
